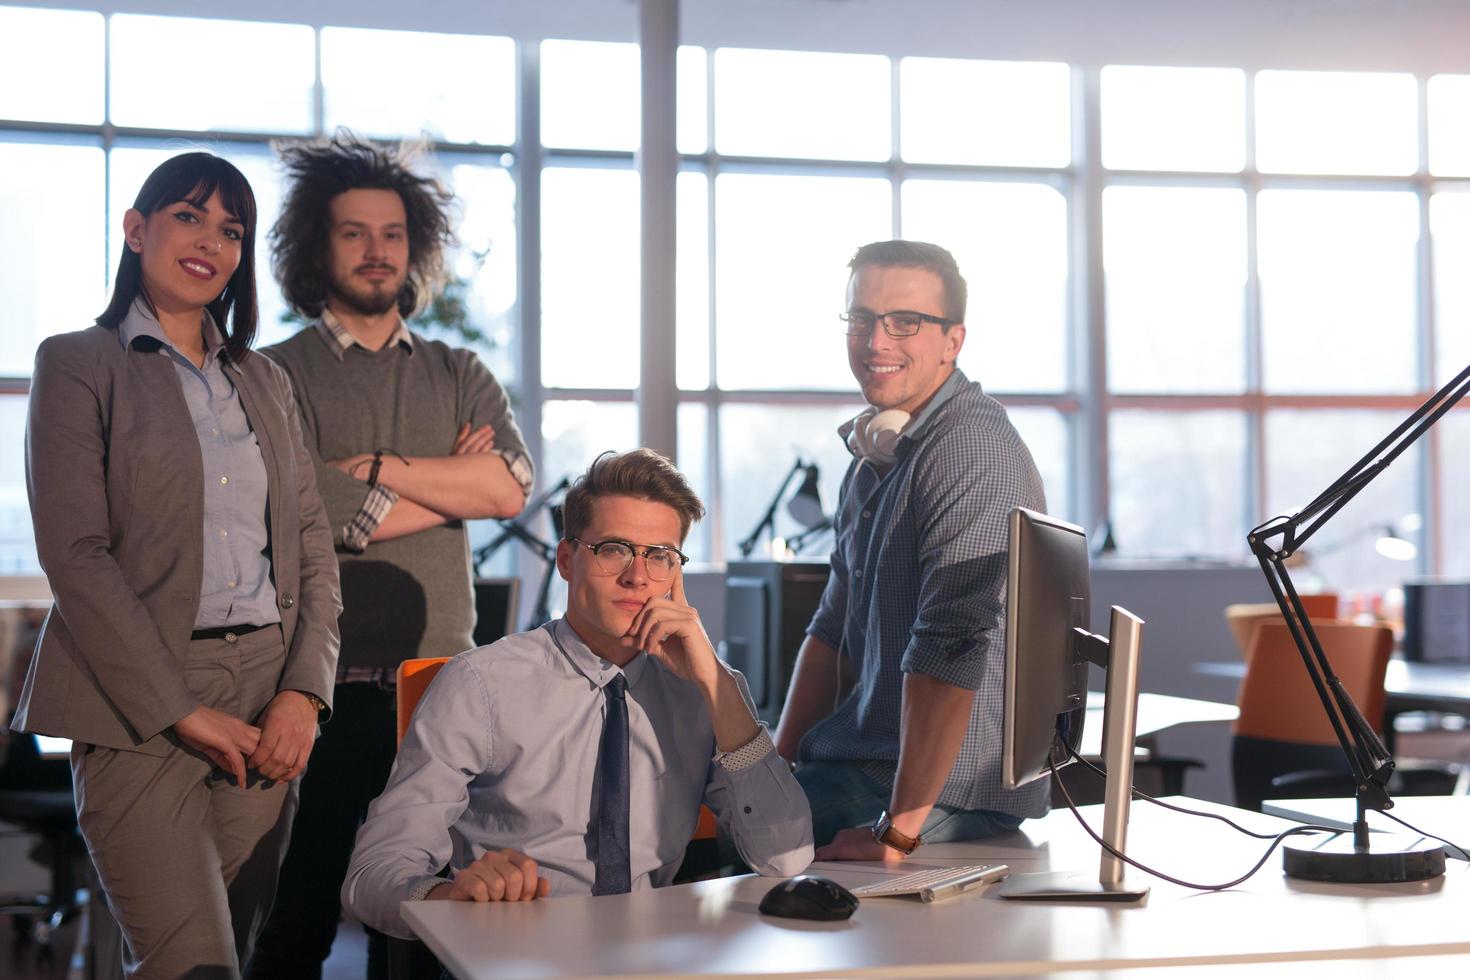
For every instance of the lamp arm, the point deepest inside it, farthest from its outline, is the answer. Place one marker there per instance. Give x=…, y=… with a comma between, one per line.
x=768, y=522
x=1278, y=539
x=797, y=541
x=1305, y=523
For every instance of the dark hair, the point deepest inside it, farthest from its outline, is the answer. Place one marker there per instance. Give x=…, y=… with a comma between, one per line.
x=640, y=473
x=920, y=255
x=317, y=172
x=194, y=177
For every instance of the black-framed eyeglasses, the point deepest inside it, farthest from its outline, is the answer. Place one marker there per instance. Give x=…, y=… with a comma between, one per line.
x=614, y=556
x=897, y=323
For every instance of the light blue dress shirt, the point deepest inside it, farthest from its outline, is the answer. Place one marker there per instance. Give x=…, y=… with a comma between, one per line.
x=502, y=752
x=236, y=588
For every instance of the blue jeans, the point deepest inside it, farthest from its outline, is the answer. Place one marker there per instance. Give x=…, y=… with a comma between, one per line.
x=842, y=795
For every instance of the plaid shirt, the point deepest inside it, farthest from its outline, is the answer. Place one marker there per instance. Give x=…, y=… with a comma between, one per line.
x=918, y=585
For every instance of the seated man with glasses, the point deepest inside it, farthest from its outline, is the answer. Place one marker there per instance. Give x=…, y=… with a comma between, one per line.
x=573, y=759
x=914, y=608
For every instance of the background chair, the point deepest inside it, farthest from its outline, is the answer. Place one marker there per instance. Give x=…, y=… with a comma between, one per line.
x=1244, y=617
x=36, y=798
x=413, y=680
x=1284, y=747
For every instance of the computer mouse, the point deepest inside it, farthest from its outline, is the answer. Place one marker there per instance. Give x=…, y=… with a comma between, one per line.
x=809, y=897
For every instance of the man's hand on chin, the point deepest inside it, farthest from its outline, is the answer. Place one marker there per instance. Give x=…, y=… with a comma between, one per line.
x=857, y=844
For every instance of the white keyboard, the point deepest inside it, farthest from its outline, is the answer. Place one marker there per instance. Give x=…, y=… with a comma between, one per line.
x=936, y=883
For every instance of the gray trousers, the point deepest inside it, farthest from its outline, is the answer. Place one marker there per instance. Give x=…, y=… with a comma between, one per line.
x=189, y=860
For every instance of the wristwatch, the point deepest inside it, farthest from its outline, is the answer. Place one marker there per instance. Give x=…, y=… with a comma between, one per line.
x=315, y=701
x=885, y=833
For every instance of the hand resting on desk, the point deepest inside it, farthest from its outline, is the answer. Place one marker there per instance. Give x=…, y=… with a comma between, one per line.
x=857, y=844
x=505, y=875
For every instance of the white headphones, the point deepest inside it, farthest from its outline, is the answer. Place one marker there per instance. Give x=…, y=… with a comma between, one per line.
x=874, y=435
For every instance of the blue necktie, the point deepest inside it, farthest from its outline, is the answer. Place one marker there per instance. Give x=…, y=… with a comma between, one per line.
x=613, y=875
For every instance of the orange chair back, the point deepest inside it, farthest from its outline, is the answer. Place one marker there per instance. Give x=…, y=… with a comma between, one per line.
x=413, y=680
x=1244, y=617
x=1277, y=699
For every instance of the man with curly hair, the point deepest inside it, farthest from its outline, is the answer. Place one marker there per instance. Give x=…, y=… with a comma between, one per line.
x=412, y=438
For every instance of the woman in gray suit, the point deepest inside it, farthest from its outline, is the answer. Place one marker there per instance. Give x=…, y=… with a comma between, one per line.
x=191, y=649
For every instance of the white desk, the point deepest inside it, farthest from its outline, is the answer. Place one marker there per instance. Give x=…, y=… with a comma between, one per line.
x=1443, y=816
x=1156, y=713
x=714, y=926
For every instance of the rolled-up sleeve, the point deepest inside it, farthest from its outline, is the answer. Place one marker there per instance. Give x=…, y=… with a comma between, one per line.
x=760, y=805
x=405, y=842
x=964, y=491
x=484, y=402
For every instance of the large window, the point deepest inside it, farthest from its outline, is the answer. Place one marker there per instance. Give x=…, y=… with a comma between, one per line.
x=1275, y=302
x=1237, y=287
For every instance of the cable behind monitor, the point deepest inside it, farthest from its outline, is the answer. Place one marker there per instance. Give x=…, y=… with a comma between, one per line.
x=1276, y=839
x=1132, y=862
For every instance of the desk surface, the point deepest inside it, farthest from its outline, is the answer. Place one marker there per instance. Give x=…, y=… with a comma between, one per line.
x=714, y=926
x=1442, y=816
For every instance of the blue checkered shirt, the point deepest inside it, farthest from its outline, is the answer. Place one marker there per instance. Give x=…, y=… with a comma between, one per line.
x=918, y=584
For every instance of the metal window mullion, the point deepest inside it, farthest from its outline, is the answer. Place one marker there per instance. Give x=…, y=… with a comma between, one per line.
x=896, y=173
x=106, y=132
x=318, y=88
x=1090, y=461
x=1258, y=485
x=1431, y=559
x=657, y=160
x=714, y=465
x=528, y=164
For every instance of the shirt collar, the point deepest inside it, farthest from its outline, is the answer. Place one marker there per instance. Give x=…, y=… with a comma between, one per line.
x=140, y=322
x=946, y=391
x=597, y=670
x=915, y=428
x=339, y=340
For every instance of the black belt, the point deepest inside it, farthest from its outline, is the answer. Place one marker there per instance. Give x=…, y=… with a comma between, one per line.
x=223, y=632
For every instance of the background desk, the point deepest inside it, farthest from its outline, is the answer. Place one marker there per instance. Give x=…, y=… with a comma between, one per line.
x=714, y=926
x=1156, y=713
x=1410, y=686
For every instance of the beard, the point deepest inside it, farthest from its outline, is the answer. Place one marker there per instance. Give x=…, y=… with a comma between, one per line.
x=367, y=299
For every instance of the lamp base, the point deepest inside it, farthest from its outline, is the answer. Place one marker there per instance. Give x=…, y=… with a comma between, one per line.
x=1390, y=858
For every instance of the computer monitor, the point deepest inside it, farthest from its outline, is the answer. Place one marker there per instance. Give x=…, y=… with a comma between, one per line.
x=496, y=600
x=1048, y=648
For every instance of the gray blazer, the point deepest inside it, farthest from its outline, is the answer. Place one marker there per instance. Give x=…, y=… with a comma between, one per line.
x=115, y=479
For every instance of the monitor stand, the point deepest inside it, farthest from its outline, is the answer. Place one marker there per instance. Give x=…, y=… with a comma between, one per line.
x=1119, y=655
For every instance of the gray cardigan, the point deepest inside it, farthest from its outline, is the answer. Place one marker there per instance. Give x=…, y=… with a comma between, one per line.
x=115, y=479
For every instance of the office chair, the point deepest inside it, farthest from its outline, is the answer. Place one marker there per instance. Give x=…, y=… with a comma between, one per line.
x=1284, y=747
x=36, y=798
x=1244, y=617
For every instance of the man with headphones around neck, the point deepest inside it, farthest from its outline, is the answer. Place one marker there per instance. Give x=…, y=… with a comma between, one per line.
x=913, y=615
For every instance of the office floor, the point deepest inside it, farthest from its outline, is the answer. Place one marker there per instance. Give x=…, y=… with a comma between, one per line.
x=22, y=959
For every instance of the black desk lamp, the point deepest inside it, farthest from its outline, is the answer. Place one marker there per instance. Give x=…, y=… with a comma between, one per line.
x=1361, y=859
x=509, y=529
x=805, y=506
